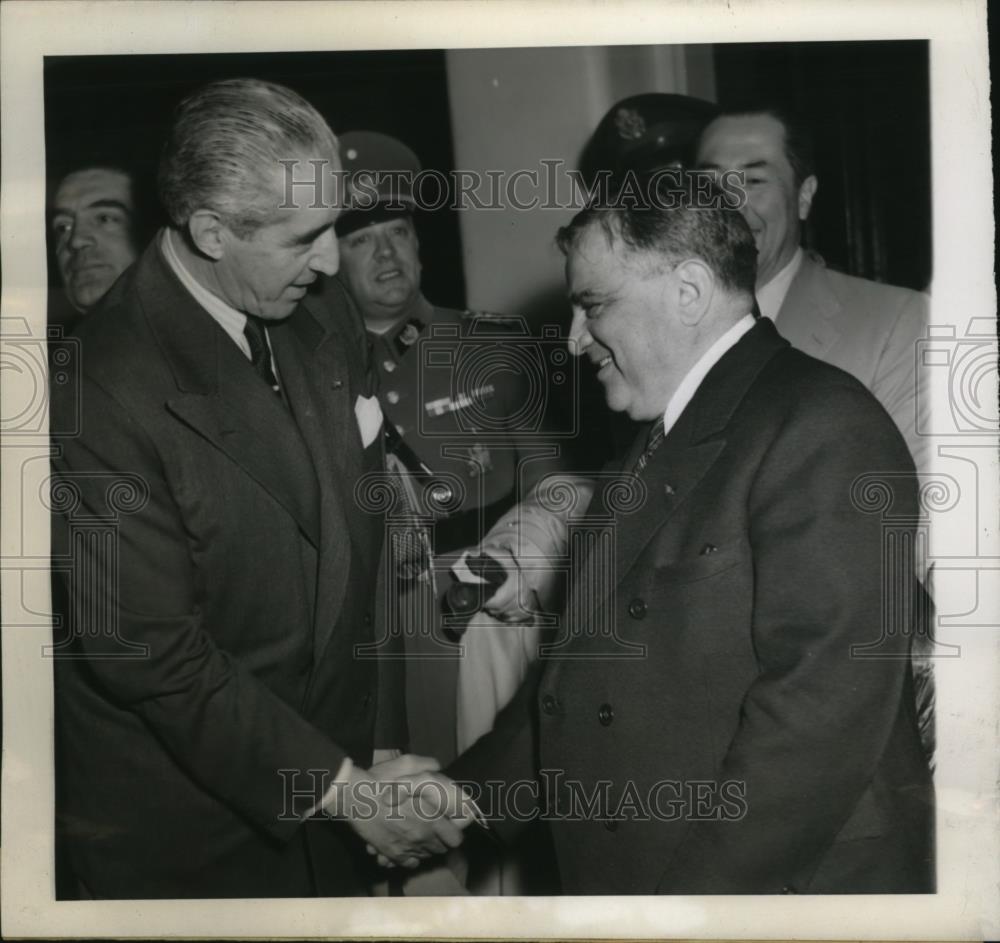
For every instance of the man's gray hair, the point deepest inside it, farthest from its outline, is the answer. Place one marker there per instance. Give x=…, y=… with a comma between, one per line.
x=225, y=144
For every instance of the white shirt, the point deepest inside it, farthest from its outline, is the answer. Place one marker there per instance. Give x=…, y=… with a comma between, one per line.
x=771, y=297
x=693, y=378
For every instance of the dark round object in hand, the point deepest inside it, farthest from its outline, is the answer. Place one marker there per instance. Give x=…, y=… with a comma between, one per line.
x=466, y=599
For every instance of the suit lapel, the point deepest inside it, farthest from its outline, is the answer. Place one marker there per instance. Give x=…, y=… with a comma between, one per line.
x=222, y=399
x=674, y=470
x=682, y=460
x=267, y=447
x=809, y=314
x=319, y=390
x=321, y=397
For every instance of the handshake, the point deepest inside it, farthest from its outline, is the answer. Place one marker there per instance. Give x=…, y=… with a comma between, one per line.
x=403, y=809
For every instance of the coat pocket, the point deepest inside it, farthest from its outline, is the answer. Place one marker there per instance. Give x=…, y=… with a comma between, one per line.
x=702, y=565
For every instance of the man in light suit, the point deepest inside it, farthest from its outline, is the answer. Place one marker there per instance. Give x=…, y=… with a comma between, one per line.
x=709, y=723
x=866, y=328
x=216, y=719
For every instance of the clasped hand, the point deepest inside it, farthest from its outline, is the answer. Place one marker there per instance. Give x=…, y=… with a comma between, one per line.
x=405, y=810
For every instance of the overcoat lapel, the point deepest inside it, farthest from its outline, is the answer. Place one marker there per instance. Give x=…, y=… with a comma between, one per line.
x=319, y=394
x=679, y=464
x=672, y=473
x=319, y=390
x=222, y=399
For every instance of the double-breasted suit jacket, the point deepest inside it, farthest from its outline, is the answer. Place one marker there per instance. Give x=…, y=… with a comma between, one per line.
x=710, y=723
x=239, y=580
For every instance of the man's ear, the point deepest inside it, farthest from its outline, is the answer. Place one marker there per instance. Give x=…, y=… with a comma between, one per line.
x=695, y=286
x=208, y=232
x=807, y=191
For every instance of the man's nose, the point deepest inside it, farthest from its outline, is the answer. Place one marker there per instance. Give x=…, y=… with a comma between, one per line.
x=326, y=254
x=579, y=337
x=81, y=235
x=384, y=247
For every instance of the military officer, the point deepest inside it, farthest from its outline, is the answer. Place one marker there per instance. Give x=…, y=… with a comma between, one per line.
x=462, y=402
x=461, y=412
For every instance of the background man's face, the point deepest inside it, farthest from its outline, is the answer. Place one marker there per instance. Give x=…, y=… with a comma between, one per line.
x=268, y=273
x=775, y=207
x=381, y=267
x=623, y=322
x=92, y=226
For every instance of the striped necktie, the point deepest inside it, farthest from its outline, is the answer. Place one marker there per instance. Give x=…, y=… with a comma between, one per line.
x=656, y=434
x=260, y=354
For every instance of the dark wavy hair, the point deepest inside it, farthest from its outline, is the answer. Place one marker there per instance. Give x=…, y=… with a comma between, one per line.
x=675, y=215
x=799, y=146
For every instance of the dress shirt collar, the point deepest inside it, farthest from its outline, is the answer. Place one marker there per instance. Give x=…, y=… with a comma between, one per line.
x=771, y=297
x=229, y=319
x=693, y=378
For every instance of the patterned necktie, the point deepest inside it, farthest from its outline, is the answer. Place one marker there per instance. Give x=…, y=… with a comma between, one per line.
x=656, y=435
x=260, y=353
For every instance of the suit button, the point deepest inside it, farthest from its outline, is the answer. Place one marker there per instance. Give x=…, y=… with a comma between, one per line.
x=368, y=618
x=637, y=608
x=392, y=396
x=549, y=704
x=605, y=715
x=788, y=889
x=338, y=384
x=611, y=825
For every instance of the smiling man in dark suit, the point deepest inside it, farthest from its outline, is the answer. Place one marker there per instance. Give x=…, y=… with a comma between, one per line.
x=215, y=723
x=748, y=747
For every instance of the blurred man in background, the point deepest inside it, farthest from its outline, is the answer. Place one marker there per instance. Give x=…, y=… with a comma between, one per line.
x=92, y=225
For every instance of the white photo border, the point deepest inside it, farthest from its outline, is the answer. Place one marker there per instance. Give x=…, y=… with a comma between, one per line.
x=968, y=848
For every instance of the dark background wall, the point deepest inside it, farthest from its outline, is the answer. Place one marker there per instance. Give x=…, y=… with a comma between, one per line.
x=118, y=108
x=869, y=108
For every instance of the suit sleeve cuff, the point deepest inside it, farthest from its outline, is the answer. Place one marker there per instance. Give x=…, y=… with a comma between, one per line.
x=329, y=804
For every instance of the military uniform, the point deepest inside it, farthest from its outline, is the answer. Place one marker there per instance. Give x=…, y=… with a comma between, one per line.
x=462, y=396
x=448, y=384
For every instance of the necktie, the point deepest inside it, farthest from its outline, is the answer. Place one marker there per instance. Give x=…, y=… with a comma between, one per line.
x=656, y=434
x=260, y=353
